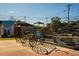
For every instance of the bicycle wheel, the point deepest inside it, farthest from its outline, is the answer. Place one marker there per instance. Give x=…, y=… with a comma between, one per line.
x=18, y=40
x=40, y=50
x=24, y=40
x=32, y=41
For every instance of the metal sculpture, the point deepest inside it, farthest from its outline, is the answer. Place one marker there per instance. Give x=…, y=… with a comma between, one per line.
x=36, y=40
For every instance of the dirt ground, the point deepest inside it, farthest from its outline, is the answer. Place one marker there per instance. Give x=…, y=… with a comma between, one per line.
x=11, y=48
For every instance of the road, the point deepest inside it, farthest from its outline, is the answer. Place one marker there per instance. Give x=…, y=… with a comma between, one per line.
x=11, y=48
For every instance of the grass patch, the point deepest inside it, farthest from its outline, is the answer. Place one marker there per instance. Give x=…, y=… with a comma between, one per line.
x=7, y=38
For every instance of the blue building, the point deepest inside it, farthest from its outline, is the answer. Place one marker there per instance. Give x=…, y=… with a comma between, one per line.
x=7, y=28
x=12, y=28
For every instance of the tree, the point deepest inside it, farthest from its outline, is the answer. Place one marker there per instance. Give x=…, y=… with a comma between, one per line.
x=56, y=24
x=47, y=29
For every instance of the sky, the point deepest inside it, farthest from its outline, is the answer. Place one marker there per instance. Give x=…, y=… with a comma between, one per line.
x=31, y=10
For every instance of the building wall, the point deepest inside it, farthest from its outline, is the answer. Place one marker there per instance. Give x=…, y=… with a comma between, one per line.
x=1, y=30
x=12, y=29
x=9, y=25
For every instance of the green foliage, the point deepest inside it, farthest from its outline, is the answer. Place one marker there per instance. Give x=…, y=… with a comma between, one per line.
x=56, y=23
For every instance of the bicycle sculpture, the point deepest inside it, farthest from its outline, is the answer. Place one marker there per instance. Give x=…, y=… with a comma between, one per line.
x=36, y=40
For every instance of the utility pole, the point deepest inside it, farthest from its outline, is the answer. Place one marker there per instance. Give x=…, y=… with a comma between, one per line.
x=68, y=10
x=46, y=21
x=24, y=18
